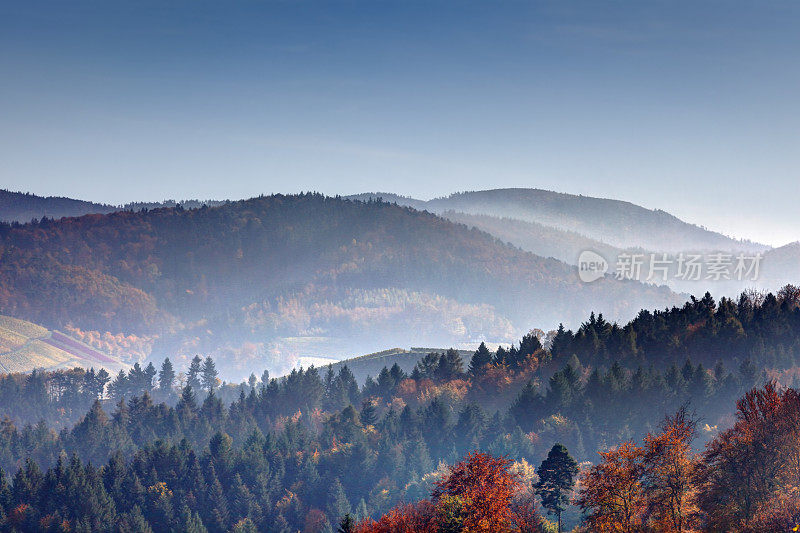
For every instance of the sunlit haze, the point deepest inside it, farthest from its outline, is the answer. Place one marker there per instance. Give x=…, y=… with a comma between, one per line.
x=690, y=107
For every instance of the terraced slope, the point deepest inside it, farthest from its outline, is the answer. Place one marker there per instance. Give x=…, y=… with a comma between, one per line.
x=25, y=346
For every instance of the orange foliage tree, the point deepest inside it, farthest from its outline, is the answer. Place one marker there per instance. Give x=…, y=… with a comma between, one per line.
x=751, y=472
x=746, y=481
x=669, y=474
x=652, y=488
x=480, y=494
x=611, y=495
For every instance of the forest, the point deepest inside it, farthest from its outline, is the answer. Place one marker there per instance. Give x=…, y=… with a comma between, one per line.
x=159, y=449
x=233, y=280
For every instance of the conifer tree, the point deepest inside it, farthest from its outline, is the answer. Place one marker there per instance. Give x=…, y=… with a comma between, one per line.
x=209, y=374
x=193, y=374
x=134, y=522
x=368, y=414
x=480, y=360
x=346, y=525
x=450, y=365
x=191, y=522
x=166, y=378
x=361, y=512
x=338, y=505
x=556, y=480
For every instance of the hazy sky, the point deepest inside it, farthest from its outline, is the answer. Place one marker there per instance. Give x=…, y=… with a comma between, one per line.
x=692, y=107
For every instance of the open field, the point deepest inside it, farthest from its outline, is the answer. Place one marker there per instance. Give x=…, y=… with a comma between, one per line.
x=25, y=346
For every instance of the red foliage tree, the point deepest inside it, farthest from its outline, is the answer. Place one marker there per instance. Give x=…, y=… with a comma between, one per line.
x=481, y=494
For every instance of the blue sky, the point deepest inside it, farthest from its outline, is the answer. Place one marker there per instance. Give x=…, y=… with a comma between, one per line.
x=690, y=107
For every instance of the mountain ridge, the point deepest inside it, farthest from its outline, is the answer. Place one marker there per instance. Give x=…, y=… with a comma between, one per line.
x=615, y=222
x=293, y=267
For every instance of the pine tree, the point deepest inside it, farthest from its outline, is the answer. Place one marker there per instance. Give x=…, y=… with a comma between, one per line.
x=361, y=511
x=219, y=511
x=193, y=374
x=450, y=365
x=368, y=414
x=149, y=374
x=346, y=525
x=134, y=522
x=556, y=480
x=338, y=505
x=480, y=360
x=209, y=374
x=528, y=407
x=166, y=378
x=191, y=522
x=118, y=389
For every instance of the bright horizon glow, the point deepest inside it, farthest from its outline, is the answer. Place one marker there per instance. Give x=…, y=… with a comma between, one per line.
x=686, y=107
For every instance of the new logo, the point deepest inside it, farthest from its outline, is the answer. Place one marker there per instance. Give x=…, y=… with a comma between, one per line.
x=591, y=266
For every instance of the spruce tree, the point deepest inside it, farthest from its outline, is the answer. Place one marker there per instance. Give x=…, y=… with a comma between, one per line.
x=209, y=374
x=191, y=522
x=480, y=360
x=338, y=505
x=347, y=524
x=450, y=365
x=368, y=414
x=193, y=374
x=556, y=480
x=166, y=378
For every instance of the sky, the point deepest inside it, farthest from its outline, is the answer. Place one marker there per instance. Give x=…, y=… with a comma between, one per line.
x=691, y=107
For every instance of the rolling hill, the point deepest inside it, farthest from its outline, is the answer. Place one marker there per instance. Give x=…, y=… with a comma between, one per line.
x=372, y=364
x=25, y=346
x=618, y=223
x=781, y=266
x=536, y=238
x=25, y=207
x=255, y=279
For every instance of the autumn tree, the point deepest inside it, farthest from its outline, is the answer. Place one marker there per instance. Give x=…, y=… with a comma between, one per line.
x=611, y=492
x=751, y=472
x=669, y=473
x=479, y=494
x=484, y=486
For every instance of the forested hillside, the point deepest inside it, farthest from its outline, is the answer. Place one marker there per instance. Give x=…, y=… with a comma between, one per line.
x=618, y=223
x=281, y=454
x=246, y=279
x=539, y=239
x=25, y=207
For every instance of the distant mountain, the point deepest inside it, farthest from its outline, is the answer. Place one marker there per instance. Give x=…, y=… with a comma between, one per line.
x=275, y=277
x=24, y=207
x=615, y=222
x=778, y=267
x=25, y=346
x=539, y=239
x=781, y=266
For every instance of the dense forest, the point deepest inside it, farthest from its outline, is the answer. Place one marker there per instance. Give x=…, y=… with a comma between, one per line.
x=231, y=279
x=164, y=450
